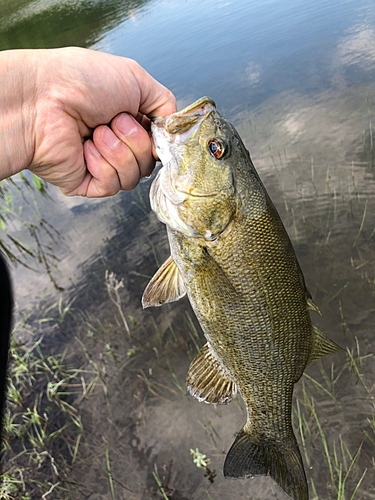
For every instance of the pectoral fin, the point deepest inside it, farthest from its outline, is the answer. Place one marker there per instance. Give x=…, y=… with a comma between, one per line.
x=321, y=346
x=207, y=381
x=166, y=286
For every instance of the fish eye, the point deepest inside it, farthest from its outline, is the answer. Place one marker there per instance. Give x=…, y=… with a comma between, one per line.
x=216, y=148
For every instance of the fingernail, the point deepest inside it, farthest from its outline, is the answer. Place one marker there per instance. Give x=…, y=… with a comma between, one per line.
x=126, y=124
x=91, y=147
x=109, y=138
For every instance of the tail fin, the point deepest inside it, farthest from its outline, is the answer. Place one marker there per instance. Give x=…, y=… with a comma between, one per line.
x=281, y=460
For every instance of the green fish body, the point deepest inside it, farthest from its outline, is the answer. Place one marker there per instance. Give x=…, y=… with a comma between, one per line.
x=232, y=256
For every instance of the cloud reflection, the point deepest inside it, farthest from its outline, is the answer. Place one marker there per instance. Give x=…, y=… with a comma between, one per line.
x=253, y=72
x=358, y=48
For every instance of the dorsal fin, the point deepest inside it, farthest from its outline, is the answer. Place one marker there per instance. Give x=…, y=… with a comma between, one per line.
x=166, y=286
x=207, y=381
x=321, y=346
x=311, y=305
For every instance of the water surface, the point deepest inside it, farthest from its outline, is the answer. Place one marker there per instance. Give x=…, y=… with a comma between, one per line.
x=297, y=79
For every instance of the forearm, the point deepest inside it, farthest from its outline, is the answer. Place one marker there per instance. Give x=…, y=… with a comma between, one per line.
x=18, y=80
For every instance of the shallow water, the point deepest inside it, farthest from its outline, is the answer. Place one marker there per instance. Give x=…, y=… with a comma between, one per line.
x=298, y=81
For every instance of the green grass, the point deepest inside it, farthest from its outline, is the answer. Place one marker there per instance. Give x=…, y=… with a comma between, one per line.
x=43, y=426
x=158, y=482
x=344, y=476
x=38, y=417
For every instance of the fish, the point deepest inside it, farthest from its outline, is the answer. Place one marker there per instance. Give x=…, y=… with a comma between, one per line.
x=232, y=257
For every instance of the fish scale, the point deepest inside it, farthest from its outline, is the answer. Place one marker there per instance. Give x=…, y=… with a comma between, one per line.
x=231, y=255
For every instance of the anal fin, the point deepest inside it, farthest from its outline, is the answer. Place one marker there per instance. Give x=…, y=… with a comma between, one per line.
x=322, y=346
x=206, y=380
x=166, y=286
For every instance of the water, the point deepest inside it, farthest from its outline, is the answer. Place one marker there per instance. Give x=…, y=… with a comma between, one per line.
x=298, y=81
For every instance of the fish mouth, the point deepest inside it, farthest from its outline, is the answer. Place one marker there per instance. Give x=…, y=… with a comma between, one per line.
x=182, y=121
x=196, y=193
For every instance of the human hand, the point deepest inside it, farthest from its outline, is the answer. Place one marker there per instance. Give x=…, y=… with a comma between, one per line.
x=57, y=107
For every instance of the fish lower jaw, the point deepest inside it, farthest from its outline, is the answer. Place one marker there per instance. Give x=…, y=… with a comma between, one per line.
x=191, y=193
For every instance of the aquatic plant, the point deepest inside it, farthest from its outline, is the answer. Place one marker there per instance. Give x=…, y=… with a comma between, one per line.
x=19, y=211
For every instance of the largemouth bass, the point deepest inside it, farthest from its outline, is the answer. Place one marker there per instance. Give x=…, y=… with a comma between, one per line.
x=231, y=255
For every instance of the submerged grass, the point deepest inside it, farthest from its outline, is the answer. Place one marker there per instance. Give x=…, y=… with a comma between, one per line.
x=158, y=482
x=47, y=434
x=20, y=215
x=43, y=425
x=64, y=422
x=344, y=477
x=40, y=422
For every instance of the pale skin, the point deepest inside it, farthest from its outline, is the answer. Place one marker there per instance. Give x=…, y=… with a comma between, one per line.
x=79, y=119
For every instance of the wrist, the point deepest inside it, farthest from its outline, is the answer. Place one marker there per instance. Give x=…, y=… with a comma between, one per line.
x=17, y=110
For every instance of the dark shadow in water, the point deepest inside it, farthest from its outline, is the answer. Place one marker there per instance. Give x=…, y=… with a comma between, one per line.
x=38, y=24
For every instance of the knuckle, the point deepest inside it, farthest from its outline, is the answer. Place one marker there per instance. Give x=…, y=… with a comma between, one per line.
x=108, y=187
x=130, y=184
x=171, y=97
x=133, y=66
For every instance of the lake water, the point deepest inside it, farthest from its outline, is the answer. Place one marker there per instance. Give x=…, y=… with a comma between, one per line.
x=297, y=79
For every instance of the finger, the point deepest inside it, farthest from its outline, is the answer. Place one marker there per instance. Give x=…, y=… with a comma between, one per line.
x=101, y=178
x=144, y=121
x=153, y=148
x=146, y=124
x=135, y=137
x=117, y=154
